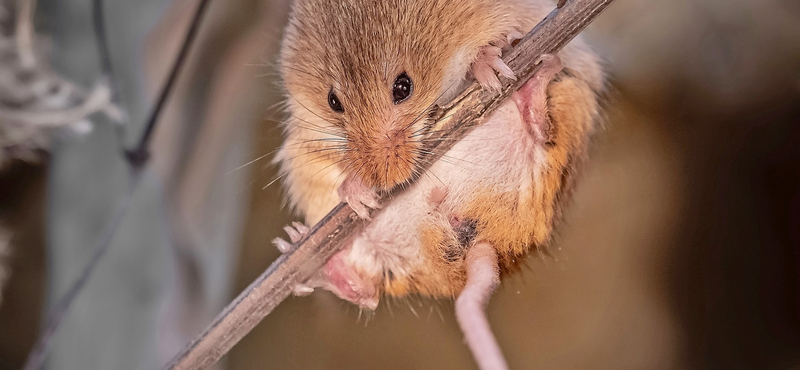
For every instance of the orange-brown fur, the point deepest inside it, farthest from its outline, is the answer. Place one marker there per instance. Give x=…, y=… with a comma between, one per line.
x=317, y=55
x=358, y=56
x=513, y=222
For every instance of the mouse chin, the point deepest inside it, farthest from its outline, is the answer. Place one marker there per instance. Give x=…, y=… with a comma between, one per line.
x=383, y=172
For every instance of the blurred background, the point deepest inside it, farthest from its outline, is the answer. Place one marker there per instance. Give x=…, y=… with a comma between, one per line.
x=681, y=249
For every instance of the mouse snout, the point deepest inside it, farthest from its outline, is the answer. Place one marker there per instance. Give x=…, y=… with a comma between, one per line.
x=392, y=141
x=389, y=159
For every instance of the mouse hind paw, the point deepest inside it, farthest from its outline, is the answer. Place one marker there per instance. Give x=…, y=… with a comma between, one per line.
x=531, y=98
x=337, y=276
x=296, y=231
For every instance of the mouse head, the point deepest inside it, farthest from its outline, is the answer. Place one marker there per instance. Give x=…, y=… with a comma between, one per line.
x=369, y=72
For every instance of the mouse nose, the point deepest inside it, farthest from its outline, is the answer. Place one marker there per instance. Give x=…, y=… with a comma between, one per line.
x=393, y=140
x=389, y=160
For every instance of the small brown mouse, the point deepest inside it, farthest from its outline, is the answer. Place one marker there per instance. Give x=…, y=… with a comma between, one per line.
x=362, y=77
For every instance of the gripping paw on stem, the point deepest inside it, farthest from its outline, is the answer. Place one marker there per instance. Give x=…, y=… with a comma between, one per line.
x=531, y=99
x=358, y=196
x=296, y=231
x=486, y=64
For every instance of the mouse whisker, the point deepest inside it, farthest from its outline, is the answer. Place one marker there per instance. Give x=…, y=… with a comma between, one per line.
x=248, y=163
x=279, y=105
x=429, y=162
x=281, y=121
x=344, y=171
x=309, y=74
x=332, y=127
x=282, y=175
x=445, y=156
x=408, y=302
x=326, y=167
x=418, y=172
x=419, y=133
x=275, y=180
x=318, y=159
x=272, y=152
x=308, y=109
x=319, y=131
x=430, y=173
x=341, y=142
x=336, y=150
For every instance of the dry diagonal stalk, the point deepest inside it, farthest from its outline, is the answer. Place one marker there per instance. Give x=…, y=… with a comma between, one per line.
x=454, y=122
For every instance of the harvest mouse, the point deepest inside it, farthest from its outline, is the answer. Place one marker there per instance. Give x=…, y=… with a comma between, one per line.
x=362, y=78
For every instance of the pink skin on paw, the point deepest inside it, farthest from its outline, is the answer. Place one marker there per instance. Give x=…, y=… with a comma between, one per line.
x=486, y=64
x=336, y=276
x=483, y=276
x=531, y=98
x=358, y=196
x=342, y=280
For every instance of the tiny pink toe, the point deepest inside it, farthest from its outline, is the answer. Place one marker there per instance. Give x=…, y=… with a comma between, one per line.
x=486, y=64
x=551, y=64
x=486, y=78
x=302, y=290
x=361, y=210
x=501, y=67
x=301, y=227
x=282, y=245
x=294, y=235
x=513, y=36
x=369, y=303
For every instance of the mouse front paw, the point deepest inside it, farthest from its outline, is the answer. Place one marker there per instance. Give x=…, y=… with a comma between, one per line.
x=358, y=196
x=486, y=64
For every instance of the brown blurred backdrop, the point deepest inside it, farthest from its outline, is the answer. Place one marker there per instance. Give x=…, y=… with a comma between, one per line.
x=681, y=249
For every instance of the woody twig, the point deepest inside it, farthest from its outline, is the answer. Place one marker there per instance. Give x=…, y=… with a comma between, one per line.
x=454, y=121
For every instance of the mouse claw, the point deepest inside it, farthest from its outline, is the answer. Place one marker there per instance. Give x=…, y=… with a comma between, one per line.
x=282, y=245
x=512, y=38
x=359, y=197
x=302, y=290
x=296, y=231
x=301, y=228
x=486, y=64
x=361, y=210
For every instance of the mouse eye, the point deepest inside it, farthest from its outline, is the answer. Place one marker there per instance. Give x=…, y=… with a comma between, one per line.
x=334, y=102
x=402, y=88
